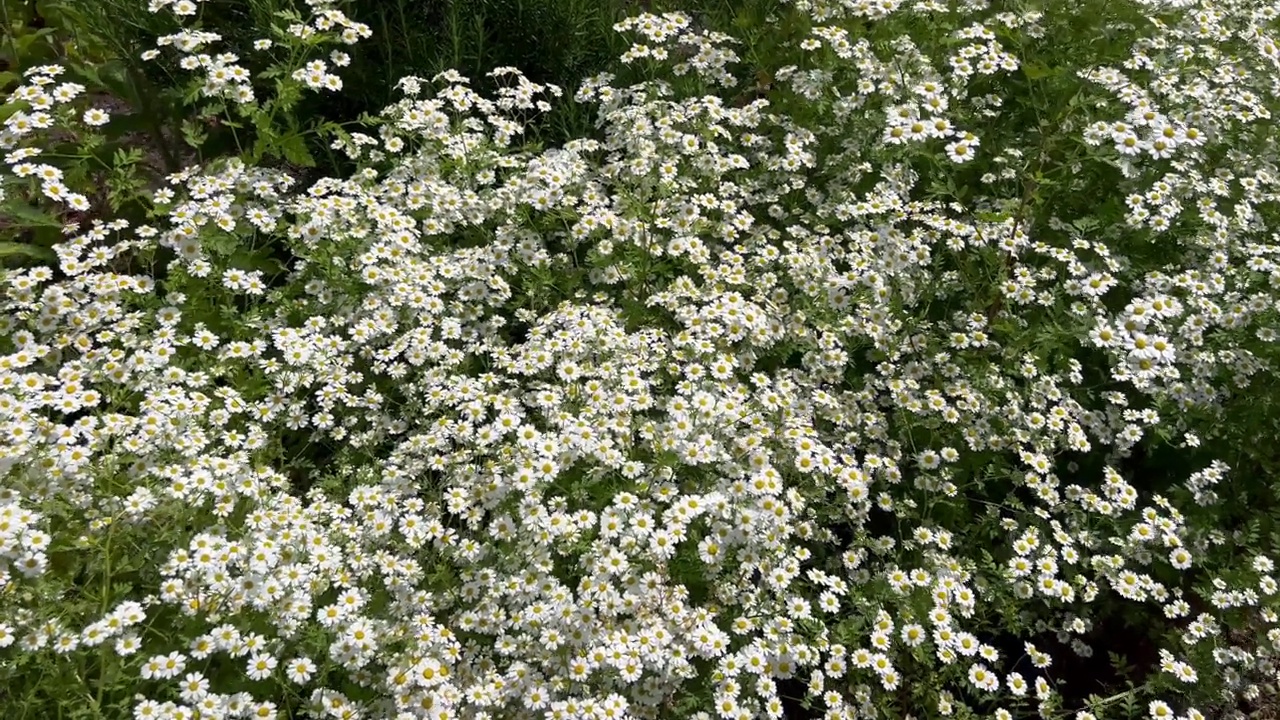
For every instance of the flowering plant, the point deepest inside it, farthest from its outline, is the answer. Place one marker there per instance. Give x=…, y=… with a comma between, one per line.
x=831, y=401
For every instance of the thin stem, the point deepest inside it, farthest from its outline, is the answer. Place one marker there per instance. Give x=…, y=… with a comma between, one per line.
x=138, y=83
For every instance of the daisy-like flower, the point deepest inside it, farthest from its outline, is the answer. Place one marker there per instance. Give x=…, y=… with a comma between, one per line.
x=96, y=117
x=54, y=190
x=163, y=667
x=1185, y=673
x=983, y=678
x=148, y=710
x=127, y=645
x=194, y=687
x=300, y=669
x=913, y=634
x=261, y=666
x=896, y=134
x=1128, y=143
x=960, y=152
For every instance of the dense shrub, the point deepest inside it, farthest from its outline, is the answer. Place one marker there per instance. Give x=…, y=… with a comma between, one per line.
x=551, y=41
x=916, y=364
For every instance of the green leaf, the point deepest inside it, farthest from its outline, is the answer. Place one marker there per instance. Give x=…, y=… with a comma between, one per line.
x=1085, y=224
x=193, y=133
x=90, y=73
x=1036, y=71
x=257, y=261
x=294, y=149
x=47, y=236
x=32, y=217
x=261, y=147
x=220, y=244
x=24, y=42
x=35, y=252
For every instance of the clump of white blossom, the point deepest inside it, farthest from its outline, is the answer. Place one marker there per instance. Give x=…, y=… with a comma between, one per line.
x=662, y=424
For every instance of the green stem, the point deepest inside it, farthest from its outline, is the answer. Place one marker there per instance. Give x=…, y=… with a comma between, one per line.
x=103, y=610
x=9, y=34
x=138, y=83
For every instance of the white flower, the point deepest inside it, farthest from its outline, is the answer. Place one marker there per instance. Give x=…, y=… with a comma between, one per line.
x=194, y=687
x=300, y=670
x=261, y=666
x=148, y=710
x=54, y=190
x=127, y=645
x=163, y=666
x=896, y=134
x=1185, y=672
x=96, y=117
x=960, y=152
x=983, y=678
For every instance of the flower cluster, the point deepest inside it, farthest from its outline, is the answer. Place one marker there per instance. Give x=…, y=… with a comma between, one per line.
x=731, y=404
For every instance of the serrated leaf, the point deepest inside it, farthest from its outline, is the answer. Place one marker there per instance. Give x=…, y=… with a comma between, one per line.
x=294, y=149
x=260, y=147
